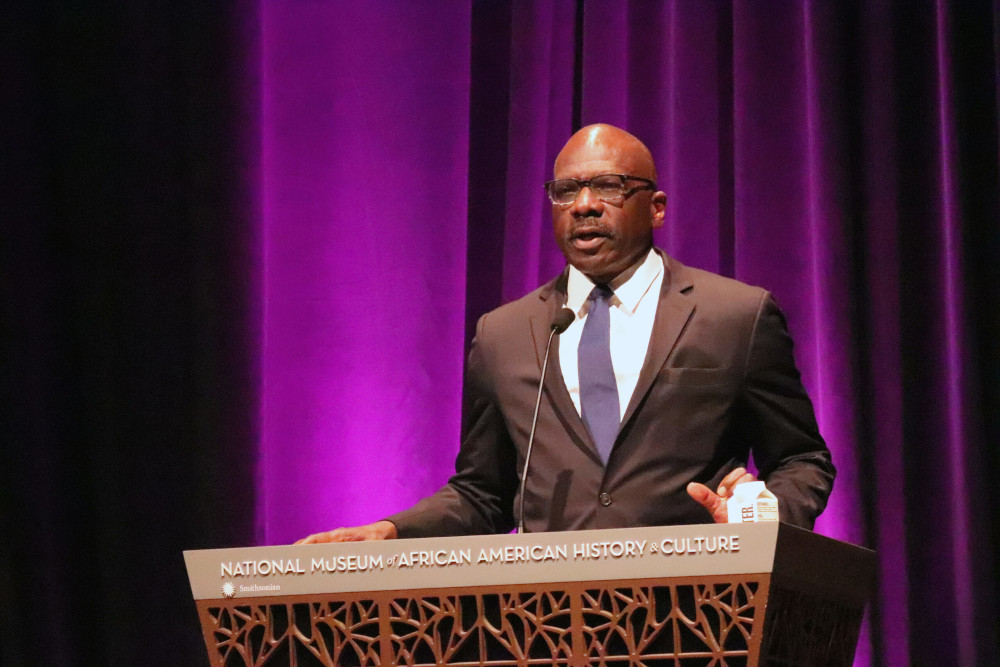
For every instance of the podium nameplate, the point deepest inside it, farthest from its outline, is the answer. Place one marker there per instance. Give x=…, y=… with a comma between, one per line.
x=483, y=560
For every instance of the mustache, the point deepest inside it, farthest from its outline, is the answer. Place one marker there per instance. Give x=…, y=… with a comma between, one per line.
x=591, y=226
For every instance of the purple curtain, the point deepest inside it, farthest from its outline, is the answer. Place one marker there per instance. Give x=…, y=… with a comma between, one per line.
x=843, y=155
x=365, y=162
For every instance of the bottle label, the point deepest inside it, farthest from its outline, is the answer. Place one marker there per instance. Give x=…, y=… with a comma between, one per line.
x=752, y=502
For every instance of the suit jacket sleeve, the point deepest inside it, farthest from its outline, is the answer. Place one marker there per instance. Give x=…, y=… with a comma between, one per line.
x=777, y=418
x=478, y=499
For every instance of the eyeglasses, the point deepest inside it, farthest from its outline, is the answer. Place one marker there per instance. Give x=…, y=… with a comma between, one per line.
x=606, y=187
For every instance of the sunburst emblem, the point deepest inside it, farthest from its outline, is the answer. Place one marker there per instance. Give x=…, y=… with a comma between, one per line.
x=228, y=589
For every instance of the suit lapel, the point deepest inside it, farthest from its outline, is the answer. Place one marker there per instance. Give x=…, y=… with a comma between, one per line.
x=554, y=386
x=672, y=315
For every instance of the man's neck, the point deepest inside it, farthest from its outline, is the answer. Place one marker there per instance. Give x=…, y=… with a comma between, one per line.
x=624, y=276
x=579, y=285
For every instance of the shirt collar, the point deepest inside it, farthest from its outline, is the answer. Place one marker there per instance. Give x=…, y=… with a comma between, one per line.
x=628, y=294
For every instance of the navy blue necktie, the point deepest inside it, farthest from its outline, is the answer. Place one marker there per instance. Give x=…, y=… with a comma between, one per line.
x=598, y=389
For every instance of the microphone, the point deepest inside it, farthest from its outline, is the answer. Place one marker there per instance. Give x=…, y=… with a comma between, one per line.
x=560, y=323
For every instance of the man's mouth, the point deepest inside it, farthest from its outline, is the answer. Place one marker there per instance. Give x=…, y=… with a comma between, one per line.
x=588, y=238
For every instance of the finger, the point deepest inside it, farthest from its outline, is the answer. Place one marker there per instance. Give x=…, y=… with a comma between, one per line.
x=726, y=488
x=351, y=536
x=711, y=501
x=700, y=493
x=704, y=496
x=729, y=480
x=728, y=492
x=317, y=538
x=380, y=530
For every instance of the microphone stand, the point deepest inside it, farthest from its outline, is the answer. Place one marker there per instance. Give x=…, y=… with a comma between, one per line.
x=562, y=321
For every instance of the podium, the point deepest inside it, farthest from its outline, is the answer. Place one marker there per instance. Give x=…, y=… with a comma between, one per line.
x=723, y=594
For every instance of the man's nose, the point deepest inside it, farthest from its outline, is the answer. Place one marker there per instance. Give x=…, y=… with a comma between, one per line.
x=587, y=203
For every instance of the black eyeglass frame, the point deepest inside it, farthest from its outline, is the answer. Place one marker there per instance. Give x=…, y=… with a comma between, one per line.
x=649, y=185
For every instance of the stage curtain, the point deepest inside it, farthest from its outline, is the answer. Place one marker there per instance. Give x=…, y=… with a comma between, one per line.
x=244, y=249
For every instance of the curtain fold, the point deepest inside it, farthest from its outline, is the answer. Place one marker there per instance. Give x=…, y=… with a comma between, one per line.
x=541, y=96
x=365, y=130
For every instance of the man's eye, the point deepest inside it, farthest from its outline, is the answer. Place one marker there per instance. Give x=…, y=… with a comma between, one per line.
x=564, y=190
x=612, y=187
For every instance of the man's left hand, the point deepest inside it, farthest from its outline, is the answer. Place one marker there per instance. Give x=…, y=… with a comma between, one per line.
x=715, y=501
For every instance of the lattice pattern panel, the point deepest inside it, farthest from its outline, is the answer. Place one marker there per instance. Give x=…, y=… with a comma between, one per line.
x=809, y=630
x=683, y=624
x=693, y=624
x=305, y=634
x=501, y=629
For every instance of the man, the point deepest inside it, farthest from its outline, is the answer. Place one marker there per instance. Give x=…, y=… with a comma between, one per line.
x=655, y=396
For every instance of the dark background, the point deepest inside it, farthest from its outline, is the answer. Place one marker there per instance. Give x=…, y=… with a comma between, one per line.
x=128, y=323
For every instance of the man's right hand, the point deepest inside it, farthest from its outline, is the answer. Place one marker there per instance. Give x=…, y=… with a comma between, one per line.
x=380, y=530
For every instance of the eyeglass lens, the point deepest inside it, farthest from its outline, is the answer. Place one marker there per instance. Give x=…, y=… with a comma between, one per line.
x=605, y=187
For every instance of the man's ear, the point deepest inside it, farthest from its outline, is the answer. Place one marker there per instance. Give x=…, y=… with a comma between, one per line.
x=658, y=207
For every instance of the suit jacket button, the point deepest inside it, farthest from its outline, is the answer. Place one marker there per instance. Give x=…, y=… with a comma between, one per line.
x=605, y=499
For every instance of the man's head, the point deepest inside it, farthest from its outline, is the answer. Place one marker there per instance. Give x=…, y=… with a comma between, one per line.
x=603, y=238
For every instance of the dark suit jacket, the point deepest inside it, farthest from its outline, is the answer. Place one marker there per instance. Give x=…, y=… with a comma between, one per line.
x=719, y=382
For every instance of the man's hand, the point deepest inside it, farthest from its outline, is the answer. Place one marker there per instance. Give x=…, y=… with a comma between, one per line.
x=380, y=530
x=714, y=502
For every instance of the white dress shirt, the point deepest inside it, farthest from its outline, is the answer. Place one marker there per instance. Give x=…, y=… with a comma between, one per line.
x=632, y=311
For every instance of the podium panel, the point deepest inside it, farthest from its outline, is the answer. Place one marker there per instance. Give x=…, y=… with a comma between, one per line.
x=751, y=594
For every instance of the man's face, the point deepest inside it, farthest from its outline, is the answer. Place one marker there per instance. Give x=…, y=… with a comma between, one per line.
x=600, y=238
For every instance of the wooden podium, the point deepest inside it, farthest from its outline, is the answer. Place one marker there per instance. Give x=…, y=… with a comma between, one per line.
x=727, y=594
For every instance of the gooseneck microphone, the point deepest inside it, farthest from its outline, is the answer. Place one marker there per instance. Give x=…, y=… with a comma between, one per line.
x=560, y=323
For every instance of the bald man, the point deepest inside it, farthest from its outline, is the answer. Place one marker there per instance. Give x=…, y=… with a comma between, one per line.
x=650, y=413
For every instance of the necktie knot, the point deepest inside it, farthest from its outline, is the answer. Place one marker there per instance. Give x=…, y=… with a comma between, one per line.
x=601, y=292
